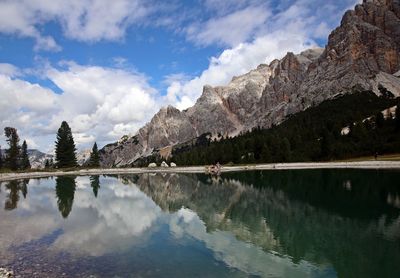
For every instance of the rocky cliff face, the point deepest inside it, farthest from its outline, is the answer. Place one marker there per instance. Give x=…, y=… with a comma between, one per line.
x=38, y=159
x=363, y=53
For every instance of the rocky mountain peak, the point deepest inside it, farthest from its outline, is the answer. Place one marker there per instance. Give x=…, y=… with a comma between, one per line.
x=363, y=53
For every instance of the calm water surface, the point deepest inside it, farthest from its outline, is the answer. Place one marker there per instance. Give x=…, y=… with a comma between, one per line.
x=297, y=223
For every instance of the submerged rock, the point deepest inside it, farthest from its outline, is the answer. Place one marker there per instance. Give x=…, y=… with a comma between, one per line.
x=4, y=273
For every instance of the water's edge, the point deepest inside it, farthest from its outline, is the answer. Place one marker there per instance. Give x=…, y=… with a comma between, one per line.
x=202, y=169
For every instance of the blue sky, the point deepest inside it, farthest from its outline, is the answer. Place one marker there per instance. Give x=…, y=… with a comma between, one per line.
x=107, y=66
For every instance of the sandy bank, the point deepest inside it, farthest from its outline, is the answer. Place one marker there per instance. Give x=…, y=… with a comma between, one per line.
x=201, y=169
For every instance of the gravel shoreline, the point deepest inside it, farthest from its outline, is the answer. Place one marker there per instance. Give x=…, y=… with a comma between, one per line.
x=202, y=169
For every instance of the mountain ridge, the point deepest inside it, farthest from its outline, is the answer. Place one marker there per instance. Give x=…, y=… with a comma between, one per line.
x=363, y=53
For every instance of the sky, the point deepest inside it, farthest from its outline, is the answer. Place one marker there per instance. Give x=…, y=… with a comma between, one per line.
x=106, y=67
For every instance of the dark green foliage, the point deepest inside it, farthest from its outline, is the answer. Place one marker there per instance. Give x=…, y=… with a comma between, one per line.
x=397, y=117
x=15, y=187
x=12, y=153
x=65, y=191
x=94, y=160
x=1, y=158
x=311, y=135
x=65, y=147
x=49, y=163
x=379, y=120
x=95, y=184
x=25, y=164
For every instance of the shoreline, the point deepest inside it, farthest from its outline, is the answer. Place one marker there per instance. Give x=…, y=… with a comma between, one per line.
x=202, y=169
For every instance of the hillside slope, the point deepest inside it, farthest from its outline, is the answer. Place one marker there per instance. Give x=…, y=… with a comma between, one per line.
x=363, y=53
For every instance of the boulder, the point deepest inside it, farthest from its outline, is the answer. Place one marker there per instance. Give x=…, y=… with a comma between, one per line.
x=172, y=164
x=152, y=165
x=164, y=164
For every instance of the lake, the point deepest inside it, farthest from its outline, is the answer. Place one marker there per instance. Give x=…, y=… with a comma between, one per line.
x=289, y=223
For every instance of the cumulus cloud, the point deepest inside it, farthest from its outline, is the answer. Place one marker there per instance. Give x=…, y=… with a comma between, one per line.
x=228, y=30
x=233, y=62
x=99, y=103
x=9, y=70
x=84, y=20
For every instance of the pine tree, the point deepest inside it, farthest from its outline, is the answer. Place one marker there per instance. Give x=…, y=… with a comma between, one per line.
x=95, y=184
x=94, y=156
x=379, y=120
x=65, y=147
x=1, y=159
x=265, y=154
x=65, y=191
x=12, y=154
x=286, y=150
x=25, y=164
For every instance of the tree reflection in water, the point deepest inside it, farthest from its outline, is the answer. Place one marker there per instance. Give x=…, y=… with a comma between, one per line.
x=95, y=184
x=15, y=187
x=65, y=191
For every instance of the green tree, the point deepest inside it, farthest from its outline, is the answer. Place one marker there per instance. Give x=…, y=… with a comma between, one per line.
x=326, y=145
x=25, y=164
x=265, y=154
x=94, y=160
x=1, y=159
x=286, y=150
x=95, y=184
x=12, y=154
x=379, y=120
x=48, y=163
x=65, y=147
x=65, y=191
x=398, y=117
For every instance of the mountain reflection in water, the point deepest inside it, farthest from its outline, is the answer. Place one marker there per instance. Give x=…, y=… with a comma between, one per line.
x=302, y=223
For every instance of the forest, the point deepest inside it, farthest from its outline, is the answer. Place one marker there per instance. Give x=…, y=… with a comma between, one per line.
x=316, y=134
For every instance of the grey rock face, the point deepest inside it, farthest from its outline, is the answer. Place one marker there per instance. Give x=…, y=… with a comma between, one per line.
x=363, y=53
x=37, y=159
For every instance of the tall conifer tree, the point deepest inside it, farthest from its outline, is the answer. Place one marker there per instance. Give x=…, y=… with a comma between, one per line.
x=25, y=164
x=1, y=159
x=12, y=154
x=65, y=147
x=94, y=156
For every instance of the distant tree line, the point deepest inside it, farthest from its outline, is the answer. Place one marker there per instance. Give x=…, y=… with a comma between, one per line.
x=16, y=156
x=312, y=135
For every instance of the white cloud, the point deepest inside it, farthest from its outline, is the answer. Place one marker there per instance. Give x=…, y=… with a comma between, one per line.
x=99, y=103
x=9, y=70
x=230, y=29
x=84, y=20
x=235, y=61
x=293, y=26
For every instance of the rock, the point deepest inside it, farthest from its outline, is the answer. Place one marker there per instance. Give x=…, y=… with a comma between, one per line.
x=37, y=159
x=172, y=164
x=164, y=164
x=152, y=165
x=361, y=54
x=4, y=273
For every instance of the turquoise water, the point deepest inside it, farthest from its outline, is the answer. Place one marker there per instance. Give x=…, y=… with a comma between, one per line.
x=297, y=223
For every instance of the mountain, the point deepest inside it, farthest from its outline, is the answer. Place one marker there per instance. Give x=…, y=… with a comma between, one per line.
x=362, y=54
x=38, y=159
x=83, y=157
